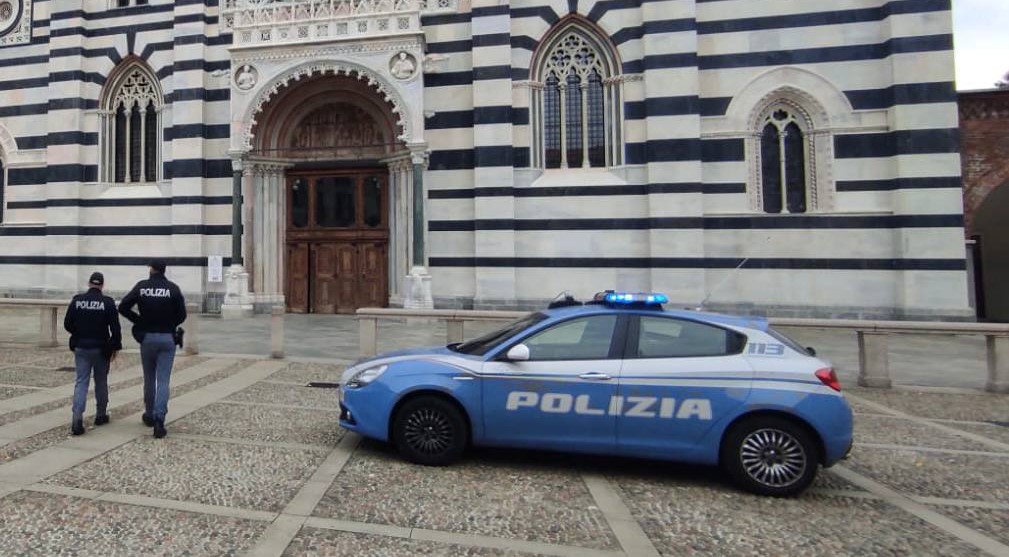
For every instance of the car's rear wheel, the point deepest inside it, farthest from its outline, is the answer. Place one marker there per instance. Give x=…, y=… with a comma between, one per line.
x=769, y=455
x=430, y=430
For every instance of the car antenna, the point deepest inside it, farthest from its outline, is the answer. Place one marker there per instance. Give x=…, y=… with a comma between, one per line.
x=710, y=293
x=563, y=299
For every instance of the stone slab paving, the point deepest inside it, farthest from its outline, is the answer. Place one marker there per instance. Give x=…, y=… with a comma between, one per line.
x=989, y=430
x=58, y=434
x=255, y=465
x=317, y=541
x=9, y=391
x=44, y=421
x=892, y=430
x=45, y=524
x=952, y=476
x=288, y=394
x=24, y=354
x=535, y=497
x=264, y=423
x=977, y=407
x=121, y=375
x=304, y=372
x=993, y=522
x=227, y=475
x=702, y=520
x=34, y=376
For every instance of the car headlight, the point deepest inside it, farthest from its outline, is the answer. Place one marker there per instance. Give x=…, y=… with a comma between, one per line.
x=366, y=376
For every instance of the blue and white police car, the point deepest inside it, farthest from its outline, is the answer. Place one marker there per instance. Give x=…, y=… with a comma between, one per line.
x=618, y=375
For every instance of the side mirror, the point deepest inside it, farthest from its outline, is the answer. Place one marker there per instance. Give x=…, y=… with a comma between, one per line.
x=811, y=351
x=518, y=353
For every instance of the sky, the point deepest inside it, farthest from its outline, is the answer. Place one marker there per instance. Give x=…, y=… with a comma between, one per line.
x=981, y=40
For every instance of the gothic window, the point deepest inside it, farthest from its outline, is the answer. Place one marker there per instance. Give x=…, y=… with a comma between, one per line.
x=575, y=102
x=131, y=127
x=785, y=149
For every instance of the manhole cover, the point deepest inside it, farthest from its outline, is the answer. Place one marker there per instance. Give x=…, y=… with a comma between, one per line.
x=323, y=385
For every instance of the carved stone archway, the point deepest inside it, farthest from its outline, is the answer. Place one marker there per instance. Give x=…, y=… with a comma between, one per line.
x=389, y=87
x=323, y=120
x=409, y=129
x=327, y=117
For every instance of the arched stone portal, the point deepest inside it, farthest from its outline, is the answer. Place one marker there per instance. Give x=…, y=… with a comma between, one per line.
x=328, y=188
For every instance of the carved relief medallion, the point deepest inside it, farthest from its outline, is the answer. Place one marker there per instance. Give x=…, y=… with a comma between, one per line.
x=246, y=77
x=403, y=65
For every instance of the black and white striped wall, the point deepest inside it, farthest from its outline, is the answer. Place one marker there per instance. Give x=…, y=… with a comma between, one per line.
x=679, y=217
x=60, y=222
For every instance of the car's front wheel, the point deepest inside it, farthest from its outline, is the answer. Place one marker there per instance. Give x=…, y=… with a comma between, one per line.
x=430, y=430
x=769, y=455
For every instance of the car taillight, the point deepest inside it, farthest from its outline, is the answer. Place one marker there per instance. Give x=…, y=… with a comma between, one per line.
x=829, y=378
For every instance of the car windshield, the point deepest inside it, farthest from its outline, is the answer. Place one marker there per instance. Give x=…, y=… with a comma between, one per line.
x=483, y=344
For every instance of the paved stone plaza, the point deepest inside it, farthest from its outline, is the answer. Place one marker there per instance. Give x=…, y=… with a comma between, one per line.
x=255, y=464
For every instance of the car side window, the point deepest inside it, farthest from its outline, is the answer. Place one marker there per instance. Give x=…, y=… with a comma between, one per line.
x=586, y=338
x=660, y=337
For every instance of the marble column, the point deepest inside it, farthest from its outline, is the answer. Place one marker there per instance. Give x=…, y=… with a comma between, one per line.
x=418, y=282
x=399, y=251
x=237, y=302
x=268, y=233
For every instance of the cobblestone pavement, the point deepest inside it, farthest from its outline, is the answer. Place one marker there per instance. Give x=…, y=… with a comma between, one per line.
x=254, y=464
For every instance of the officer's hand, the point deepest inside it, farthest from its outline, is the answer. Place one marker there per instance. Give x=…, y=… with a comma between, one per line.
x=112, y=358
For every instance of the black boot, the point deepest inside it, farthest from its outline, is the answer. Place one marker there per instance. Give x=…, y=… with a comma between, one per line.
x=77, y=427
x=159, y=429
x=148, y=421
x=101, y=419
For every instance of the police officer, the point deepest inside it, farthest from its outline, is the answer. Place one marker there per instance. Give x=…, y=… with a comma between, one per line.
x=162, y=310
x=95, y=338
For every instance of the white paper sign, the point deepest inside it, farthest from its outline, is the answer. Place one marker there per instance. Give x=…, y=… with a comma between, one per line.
x=215, y=268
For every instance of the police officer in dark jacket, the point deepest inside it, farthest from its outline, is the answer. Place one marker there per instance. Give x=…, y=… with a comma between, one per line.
x=162, y=310
x=95, y=337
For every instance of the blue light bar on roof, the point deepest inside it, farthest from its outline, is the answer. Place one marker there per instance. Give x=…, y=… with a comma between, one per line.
x=636, y=298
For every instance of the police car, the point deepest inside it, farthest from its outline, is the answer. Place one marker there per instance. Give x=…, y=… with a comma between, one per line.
x=617, y=375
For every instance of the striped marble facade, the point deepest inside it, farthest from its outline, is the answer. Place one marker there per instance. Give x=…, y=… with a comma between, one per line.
x=680, y=215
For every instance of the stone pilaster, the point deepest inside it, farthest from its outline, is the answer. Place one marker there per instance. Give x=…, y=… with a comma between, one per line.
x=493, y=143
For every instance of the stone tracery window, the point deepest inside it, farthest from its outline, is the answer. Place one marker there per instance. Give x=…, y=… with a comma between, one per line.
x=575, y=103
x=783, y=157
x=791, y=155
x=131, y=127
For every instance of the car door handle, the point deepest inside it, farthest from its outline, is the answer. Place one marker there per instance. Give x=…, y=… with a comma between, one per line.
x=595, y=376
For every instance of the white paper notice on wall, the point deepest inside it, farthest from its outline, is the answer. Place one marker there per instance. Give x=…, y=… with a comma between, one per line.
x=215, y=268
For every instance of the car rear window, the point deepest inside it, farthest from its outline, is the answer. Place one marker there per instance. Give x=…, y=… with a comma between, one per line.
x=662, y=337
x=784, y=339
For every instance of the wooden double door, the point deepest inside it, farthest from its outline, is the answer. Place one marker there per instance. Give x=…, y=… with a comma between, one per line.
x=337, y=241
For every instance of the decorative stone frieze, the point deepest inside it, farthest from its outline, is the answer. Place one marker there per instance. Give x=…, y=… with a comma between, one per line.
x=257, y=23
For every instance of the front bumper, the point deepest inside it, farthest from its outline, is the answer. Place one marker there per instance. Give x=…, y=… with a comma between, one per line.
x=346, y=417
x=364, y=410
